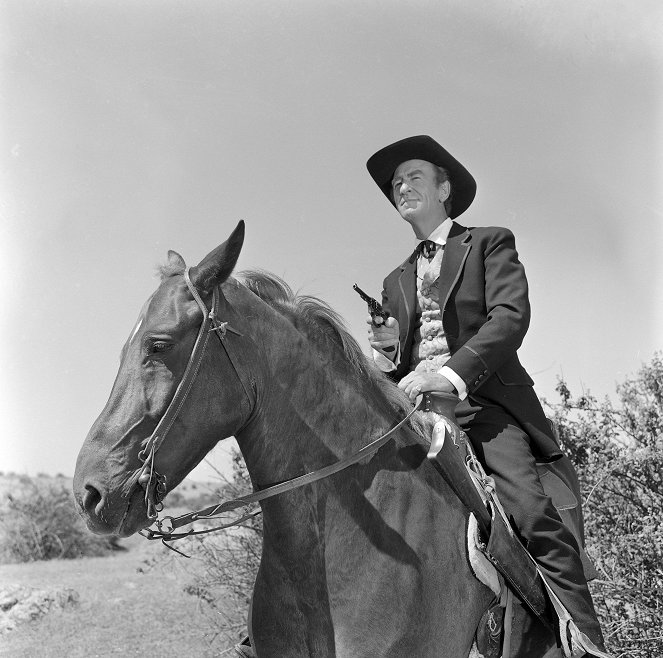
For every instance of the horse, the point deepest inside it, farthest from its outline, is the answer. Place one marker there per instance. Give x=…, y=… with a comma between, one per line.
x=370, y=561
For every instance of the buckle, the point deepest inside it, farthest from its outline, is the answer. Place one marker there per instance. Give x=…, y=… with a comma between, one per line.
x=440, y=403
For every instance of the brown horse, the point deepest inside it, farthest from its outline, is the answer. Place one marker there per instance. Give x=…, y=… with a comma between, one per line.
x=371, y=561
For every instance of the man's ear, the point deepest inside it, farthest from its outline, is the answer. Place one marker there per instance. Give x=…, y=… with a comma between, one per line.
x=445, y=191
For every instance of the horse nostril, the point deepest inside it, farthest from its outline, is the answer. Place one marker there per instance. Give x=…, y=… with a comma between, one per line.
x=92, y=499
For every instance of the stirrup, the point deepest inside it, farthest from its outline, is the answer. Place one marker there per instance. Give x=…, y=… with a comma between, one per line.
x=575, y=643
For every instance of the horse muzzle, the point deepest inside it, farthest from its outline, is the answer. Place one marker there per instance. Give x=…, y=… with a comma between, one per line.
x=111, y=513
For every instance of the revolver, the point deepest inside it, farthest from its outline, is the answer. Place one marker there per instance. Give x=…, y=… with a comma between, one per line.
x=378, y=314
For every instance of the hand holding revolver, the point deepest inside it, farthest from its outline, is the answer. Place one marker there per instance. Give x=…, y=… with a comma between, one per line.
x=383, y=338
x=383, y=330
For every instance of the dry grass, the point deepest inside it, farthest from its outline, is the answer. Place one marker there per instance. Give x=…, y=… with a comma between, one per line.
x=121, y=612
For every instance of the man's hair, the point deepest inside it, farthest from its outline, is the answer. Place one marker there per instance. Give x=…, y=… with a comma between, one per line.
x=441, y=176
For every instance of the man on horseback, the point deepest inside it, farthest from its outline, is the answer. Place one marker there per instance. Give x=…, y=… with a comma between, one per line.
x=459, y=311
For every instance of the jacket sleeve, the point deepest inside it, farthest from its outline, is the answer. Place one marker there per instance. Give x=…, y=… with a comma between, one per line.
x=507, y=312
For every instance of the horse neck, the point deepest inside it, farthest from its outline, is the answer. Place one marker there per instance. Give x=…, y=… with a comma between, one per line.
x=312, y=408
x=312, y=414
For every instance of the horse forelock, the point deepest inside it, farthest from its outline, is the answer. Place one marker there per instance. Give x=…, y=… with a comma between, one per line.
x=321, y=323
x=167, y=270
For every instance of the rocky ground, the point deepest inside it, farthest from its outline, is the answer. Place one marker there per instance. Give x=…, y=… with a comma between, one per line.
x=20, y=604
x=106, y=606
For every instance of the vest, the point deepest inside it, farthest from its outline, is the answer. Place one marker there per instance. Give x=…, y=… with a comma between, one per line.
x=430, y=350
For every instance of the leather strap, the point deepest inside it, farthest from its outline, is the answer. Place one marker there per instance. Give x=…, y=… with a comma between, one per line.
x=441, y=403
x=257, y=496
x=184, y=387
x=506, y=626
x=155, y=484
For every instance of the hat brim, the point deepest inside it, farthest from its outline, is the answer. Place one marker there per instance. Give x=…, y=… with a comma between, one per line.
x=381, y=167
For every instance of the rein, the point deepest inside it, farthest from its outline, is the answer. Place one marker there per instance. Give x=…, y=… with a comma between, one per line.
x=166, y=526
x=155, y=484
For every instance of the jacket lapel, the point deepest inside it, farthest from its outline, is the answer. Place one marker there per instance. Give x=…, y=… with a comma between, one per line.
x=455, y=253
x=407, y=300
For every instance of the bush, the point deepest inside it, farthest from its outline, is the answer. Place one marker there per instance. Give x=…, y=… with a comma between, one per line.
x=225, y=562
x=230, y=560
x=618, y=452
x=38, y=521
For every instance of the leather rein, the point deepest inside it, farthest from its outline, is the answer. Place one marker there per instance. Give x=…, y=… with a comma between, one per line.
x=155, y=483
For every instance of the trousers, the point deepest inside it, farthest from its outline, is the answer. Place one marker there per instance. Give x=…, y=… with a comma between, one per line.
x=504, y=450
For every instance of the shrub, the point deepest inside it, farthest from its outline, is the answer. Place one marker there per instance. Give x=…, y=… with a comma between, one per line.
x=38, y=521
x=225, y=562
x=174, y=499
x=618, y=452
x=230, y=559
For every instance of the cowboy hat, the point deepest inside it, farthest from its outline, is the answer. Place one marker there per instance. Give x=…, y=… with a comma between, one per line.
x=381, y=167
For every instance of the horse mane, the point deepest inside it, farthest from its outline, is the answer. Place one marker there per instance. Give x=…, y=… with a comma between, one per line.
x=318, y=321
x=321, y=323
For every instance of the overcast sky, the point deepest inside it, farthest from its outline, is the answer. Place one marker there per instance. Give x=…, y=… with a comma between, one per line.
x=131, y=127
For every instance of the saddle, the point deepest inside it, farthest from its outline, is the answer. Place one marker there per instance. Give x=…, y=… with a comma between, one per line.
x=491, y=533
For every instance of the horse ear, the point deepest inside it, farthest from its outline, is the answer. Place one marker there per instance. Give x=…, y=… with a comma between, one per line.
x=175, y=261
x=217, y=266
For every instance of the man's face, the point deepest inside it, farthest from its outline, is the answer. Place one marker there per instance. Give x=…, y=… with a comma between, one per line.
x=416, y=193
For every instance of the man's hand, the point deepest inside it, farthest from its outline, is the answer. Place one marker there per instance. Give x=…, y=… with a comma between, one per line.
x=415, y=383
x=383, y=336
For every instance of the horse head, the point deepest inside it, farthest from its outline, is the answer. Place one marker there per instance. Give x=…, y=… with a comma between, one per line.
x=120, y=470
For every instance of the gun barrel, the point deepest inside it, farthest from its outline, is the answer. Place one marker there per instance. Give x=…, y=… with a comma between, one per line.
x=358, y=289
x=362, y=294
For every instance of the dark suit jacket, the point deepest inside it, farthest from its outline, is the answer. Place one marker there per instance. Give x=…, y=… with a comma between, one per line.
x=485, y=314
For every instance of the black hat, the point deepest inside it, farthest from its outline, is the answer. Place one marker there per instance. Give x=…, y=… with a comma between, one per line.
x=381, y=167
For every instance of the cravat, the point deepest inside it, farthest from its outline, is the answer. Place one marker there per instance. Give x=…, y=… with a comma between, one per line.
x=427, y=248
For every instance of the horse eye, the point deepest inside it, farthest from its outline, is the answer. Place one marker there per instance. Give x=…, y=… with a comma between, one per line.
x=159, y=346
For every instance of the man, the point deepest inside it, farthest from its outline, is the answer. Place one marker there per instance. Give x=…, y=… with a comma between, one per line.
x=459, y=311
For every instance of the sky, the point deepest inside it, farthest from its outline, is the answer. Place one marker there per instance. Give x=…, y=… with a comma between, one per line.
x=130, y=127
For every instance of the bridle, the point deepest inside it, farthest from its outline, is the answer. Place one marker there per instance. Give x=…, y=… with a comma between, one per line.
x=155, y=484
